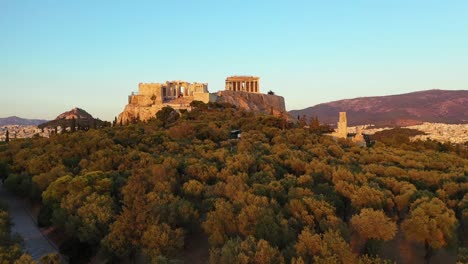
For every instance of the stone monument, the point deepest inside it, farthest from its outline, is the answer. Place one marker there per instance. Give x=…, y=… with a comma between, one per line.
x=250, y=84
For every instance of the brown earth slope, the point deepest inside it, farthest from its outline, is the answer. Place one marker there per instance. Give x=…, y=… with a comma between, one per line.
x=441, y=106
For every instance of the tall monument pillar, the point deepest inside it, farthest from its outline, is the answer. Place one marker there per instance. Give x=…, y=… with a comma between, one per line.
x=342, y=126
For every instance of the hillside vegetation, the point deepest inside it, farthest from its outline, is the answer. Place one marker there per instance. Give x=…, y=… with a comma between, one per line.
x=279, y=194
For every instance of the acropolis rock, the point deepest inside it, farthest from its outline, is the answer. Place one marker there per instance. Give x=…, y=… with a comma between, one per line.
x=241, y=91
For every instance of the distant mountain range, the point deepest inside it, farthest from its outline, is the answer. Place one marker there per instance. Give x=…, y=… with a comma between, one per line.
x=14, y=120
x=77, y=116
x=438, y=106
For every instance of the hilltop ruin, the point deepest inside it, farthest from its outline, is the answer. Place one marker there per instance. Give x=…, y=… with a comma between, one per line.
x=241, y=91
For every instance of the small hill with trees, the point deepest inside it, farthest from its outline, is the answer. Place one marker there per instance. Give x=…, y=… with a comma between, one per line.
x=75, y=119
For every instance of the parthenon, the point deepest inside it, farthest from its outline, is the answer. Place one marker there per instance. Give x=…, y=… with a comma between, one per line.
x=243, y=83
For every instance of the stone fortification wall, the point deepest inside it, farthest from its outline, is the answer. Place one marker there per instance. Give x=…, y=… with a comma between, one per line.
x=149, y=89
x=205, y=97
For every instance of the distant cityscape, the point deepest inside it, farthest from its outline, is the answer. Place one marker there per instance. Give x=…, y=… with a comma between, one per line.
x=453, y=133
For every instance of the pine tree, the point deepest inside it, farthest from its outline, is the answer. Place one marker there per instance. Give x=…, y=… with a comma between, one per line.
x=79, y=123
x=73, y=125
x=7, y=136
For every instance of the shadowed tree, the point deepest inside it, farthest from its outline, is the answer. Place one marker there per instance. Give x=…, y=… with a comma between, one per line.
x=73, y=125
x=373, y=225
x=329, y=247
x=430, y=222
x=250, y=250
x=167, y=115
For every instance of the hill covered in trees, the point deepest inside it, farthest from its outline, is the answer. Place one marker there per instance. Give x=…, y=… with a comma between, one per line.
x=181, y=186
x=75, y=119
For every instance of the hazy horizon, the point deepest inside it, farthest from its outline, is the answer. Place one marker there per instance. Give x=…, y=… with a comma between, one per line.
x=60, y=55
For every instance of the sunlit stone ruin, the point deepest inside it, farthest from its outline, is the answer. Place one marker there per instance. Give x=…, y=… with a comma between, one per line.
x=170, y=92
x=342, y=126
x=342, y=131
x=249, y=84
x=241, y=91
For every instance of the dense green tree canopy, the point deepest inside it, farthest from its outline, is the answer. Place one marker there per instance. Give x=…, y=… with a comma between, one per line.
x=280, y=193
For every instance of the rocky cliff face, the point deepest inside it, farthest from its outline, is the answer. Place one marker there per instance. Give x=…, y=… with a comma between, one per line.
x=76, y=113
x=133, y=112
x=264, y=103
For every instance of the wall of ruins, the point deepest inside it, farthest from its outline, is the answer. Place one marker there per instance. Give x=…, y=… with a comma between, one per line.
x=171, y=90
x=205, y=97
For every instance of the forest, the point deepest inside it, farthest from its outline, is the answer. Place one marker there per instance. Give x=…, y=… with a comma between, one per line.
x=183, y=189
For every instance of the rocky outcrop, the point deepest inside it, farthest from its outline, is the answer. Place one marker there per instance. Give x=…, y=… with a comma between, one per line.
x=76, y=113
x=264, y=103
x=142, y=109
x=134, y=112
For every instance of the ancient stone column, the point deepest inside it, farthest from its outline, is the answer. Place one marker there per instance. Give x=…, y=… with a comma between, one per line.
x=342, y=125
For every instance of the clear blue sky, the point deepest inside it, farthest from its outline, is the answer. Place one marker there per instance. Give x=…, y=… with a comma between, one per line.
x=55, y=55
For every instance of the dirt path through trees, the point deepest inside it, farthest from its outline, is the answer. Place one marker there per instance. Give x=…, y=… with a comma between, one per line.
x=23, y=224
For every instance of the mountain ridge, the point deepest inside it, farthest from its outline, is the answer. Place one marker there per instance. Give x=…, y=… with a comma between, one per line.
x=441, y=106
x=16, y=120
